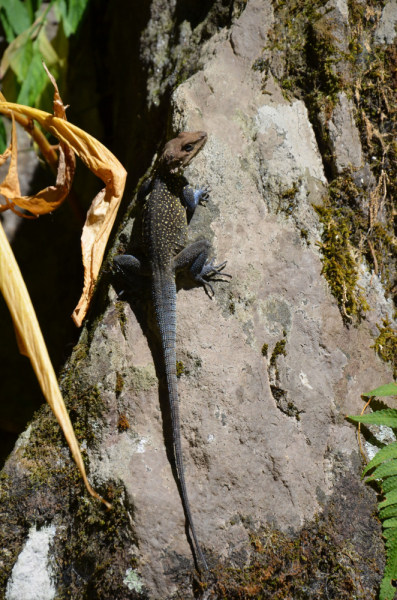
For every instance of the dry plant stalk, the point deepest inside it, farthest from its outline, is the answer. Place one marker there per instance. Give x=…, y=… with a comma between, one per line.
x=31, y=343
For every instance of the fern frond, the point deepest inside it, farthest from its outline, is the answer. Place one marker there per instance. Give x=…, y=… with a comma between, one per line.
x=389, y=511
x=389, y=485
x=386, y=470
x=391, y=498
x=387, y=453
x=387, y=417
x=390, y=523
x=387, y=590
x=385, y=461
x=390, y=389
x=391, y=536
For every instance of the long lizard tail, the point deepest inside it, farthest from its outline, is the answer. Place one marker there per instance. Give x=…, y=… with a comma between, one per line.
x=164, y=299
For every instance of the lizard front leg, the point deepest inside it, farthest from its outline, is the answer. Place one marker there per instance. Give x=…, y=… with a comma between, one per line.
x=192, y=196
x=195, y=256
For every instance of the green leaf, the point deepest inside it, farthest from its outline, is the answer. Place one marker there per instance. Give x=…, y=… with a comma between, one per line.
x=32, y=7
x=72, y=13
x=386, y=470
x=17, y=15
x=386, y=453
x=35, y=81
x=3, y=137
x=19, y=57
x=8, y=30
x=391, y=498
x=391, y=536
x=46, y=49
x=389, y=511
x=390, y=523
x=391, y=563
x=389, y=485
x=387, y=417
x=389, y=389
x=387, y=590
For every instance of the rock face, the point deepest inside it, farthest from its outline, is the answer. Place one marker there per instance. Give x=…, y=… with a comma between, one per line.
x=268, y=370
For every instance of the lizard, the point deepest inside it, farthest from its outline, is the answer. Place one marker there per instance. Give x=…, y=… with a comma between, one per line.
x=164, y=199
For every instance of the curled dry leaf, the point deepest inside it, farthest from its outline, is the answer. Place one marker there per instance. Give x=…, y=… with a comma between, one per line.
x=53, y=196
x=102, y=213
x=31, y=342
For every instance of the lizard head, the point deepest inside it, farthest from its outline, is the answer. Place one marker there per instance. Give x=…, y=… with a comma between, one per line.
x=178, y=152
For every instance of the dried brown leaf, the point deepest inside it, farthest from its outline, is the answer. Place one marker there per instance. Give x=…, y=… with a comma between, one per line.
x=101, y=215
x=53, y=196
x=10, y=186
x=30, y=340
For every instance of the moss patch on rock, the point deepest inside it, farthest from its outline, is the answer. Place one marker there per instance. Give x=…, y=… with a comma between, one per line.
x=41, y=484
x=386, y=344
x=332, y=558
x=315, y=55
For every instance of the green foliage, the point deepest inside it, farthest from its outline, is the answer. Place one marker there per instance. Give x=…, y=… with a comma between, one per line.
x=3, y=137
x=339, y=262
x=386, y=345
x=386, y=417
x=24, y=79
x=390, y=389
x=71, y=12
x=383, y=469
x=15, y=17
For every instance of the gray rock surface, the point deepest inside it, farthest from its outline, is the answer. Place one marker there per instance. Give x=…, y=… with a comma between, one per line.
x=248, y=453
x=31, y=577
x=386, y=30
x=344, y=135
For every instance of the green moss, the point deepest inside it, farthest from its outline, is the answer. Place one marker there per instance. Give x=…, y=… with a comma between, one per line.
x=304, y=233
x=288, y=199
x=92, y=547
x=359, y=218
x=180, y=368
x=386, y=345
x=314, y=564
x=121, y=316
x=340, y=266
x=279, y=349
x=264, y=349
x=232, y=304
x=119, y=384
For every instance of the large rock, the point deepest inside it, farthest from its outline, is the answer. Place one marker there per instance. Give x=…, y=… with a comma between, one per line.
x=269, y=370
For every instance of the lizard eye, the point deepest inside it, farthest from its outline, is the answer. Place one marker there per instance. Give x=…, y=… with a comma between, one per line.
x=188, y=147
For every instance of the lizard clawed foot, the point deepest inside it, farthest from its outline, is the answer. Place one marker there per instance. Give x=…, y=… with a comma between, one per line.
x=209, y=270
x=204, y=192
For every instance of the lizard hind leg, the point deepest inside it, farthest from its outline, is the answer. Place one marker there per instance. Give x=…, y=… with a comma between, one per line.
x=127, y=265
x=195, y=256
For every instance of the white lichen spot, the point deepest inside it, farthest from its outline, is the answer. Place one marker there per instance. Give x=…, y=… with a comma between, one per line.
x=210, y=438
x=140, y=447
x=304, y=380
x=132, y=581
x=383, y=434
x=32, y=577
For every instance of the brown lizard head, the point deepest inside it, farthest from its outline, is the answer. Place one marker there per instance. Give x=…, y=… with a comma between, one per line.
x=178, y=152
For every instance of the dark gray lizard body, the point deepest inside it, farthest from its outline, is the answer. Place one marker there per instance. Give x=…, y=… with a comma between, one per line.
x=163, y=240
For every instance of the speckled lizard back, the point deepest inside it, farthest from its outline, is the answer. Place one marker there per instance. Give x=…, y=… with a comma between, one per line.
x=163, y=221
